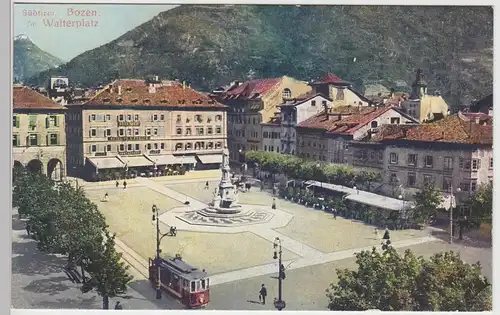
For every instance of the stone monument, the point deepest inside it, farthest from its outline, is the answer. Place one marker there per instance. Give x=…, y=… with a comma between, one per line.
x=226, y=197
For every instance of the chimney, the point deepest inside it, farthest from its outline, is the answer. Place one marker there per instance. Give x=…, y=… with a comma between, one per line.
x=156, y=78
x=119, y=90
x=152, y=89
x=183, y=84
x=478, y=120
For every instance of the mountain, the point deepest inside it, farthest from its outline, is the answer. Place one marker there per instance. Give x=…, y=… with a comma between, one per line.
x=29, y=59
x=210, y=45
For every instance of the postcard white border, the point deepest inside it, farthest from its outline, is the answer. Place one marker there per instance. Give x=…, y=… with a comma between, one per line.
x=6, y=80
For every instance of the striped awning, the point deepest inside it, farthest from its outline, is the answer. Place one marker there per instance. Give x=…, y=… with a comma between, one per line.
x=188, y=159
x=105, y=162
x=210, y=158
x=165, y=159
x=136, y=161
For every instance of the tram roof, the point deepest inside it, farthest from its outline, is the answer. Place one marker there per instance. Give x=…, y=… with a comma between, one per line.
x=188, y=271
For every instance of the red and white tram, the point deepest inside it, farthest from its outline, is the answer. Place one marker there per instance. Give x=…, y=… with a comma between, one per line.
x=184, y=282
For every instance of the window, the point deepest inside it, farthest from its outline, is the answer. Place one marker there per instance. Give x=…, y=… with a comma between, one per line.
x=448, y=163
x=136, y=131
x=393, y=178
x=15, y=122
x=129, y=147
x=218, y=145
x=122, y=147
x=374, y=124
x=136, y=117
x=108, y=148
x=395, y=120
x=162, y=146
x=129, y=117
x=108, y=132
x=210, y=131
x=412, y=159
x=137, y=147
x=473, y=186
x=93, y=132
x=380, y=156
x=155, y=131
x=199, y=131
x=447, y=183
x=53, y=139
x=340, y=94
x=120, y=117
x=148, y=132
x=372, y=155
x=467, y=164
x=92, y=117
x=313, y=103
x=162, y=117
x=393, y=158
x=428, y=159
x=178, y=131
x=210, y=145
x=412, y=179
x=179, y=119
x=15, y=140
x=464, y=186
x=198, y=118
x=188, y=131
x=476, y=164
x=129, y=132
x=155, y=146
x=428, y=179
x=178, y=146
x=188, y=146
x=287, y=93
x=121, y=132
x=491, y=163
x=265, y=148
x=155, y=117
x=93, y=148
x=33, y=140
x=218, y=118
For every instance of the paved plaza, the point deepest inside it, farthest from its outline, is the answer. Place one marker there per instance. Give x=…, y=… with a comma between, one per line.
x=238, y=257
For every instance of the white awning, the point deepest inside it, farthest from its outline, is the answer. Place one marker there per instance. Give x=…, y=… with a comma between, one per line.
x=164, y=159
x=135, y=161
x=188, y=159
x=105, y=162
x=210, y=158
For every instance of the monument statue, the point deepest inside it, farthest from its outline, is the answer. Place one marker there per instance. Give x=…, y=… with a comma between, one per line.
x=226, y=201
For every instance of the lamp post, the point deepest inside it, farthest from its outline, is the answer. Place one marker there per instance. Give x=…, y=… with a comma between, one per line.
x=451, y=212
x=159, y=237
x=321, y=182
x=279, y=304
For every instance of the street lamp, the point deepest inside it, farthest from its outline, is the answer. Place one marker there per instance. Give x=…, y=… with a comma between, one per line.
x=451, y=212
x=321, y=182
x=159, y=237
x=279, y=304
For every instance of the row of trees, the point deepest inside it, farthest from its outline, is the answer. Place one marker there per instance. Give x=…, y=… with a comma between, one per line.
x=390, y=281
x=62, y=220
x=296, y=167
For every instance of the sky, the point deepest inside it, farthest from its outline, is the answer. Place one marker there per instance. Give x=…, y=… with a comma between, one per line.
x=103, y=24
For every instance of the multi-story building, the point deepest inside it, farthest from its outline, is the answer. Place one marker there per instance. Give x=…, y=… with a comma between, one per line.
x=295, y=111
x=453, y=152
x=340, y=92
x=145, y=125
x=271, y=135
x=252, y=103
x=326, y=136
x=422, y=106
x=38, y=140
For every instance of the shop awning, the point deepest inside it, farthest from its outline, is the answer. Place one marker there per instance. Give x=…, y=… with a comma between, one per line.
x=210, y=158
x=135, y=161
x=106, y=162
x=188, y=159
x=164, y=159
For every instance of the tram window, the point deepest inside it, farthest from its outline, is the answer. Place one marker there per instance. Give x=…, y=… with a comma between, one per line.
x=185, y=284
x=193, y=286
x=208, y=282
x=197, y=285
x=203, y=284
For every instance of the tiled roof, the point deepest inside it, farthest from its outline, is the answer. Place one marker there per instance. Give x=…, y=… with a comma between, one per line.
x=137, y=93
x=25, y=98
x=331, y=79
x=252, y=89
x=452, y=129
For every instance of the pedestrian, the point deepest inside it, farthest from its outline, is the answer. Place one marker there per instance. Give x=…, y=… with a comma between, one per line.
x=375, y=232
x=263, y=294
x=124, y=184
x=274, y=204
x=106, y=197
x=206, y=185
x=386, y=234
x=28, y=228
x=118, y=306
x=261, y=186
x=335, y=213
x=117, y=184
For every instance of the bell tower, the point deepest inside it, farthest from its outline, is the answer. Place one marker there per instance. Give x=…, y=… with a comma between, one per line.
x=419, y=86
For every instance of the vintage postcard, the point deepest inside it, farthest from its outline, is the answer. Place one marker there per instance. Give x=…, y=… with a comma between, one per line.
x=252, y=157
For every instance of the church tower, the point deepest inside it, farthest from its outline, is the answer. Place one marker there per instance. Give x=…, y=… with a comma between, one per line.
x=419, y=86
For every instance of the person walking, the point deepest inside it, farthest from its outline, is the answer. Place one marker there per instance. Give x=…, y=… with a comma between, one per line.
x=263, y=294
x=28, y=228
x=124, y=184
x=206, y=185
x=117, y=184
x=118, y=306
x=274, y=204
x=334, y=213
x=106, y=197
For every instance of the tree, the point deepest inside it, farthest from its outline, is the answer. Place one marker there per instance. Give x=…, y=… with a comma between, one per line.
x=389, y=281
x=30, y=191
x=481, y=205
x=426, y=203
x=108, y=274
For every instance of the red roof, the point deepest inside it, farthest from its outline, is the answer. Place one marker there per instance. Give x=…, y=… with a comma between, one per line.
x=331, y=79
x=452, y=129
x=252, y=89
x=303, y=98
x=26, y=98
x=138, y=93
x=351, y=119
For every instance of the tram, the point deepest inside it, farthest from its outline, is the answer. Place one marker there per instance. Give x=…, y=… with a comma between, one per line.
x=184, y=282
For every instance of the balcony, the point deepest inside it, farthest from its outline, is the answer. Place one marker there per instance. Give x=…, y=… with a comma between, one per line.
x=154, y=152
x=129, y=123
x=130, y=138
x=135, y=152
x=101, y=153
